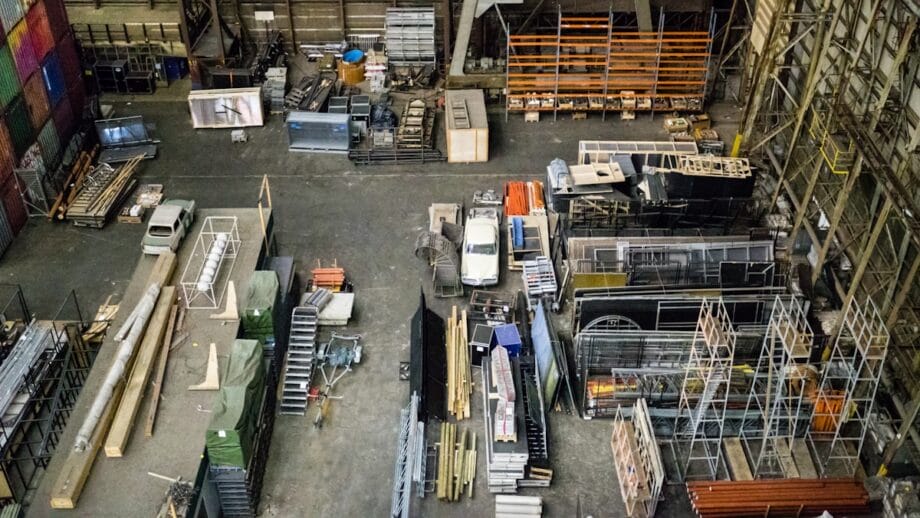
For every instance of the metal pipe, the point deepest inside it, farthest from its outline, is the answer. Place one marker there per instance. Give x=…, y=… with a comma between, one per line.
x=138, y=320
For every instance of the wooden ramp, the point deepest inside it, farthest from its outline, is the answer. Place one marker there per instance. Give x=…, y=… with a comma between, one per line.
x=736, y=460
x=785, y=457
x=802, y=458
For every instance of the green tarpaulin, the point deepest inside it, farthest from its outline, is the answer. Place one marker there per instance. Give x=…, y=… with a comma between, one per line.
x=258, y=309
x=235, y=414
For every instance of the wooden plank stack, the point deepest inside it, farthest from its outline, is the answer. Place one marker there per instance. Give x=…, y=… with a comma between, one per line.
x=459, y=382
x=81, y=167
x=123, y=422
x=101, y=193
x=456, y=463
x=778, y=497
x=76, y=469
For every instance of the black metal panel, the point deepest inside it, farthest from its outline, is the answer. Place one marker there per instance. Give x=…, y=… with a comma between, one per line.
x=428, y=363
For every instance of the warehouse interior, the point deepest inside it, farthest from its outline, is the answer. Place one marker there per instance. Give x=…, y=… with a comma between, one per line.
x=459, y=258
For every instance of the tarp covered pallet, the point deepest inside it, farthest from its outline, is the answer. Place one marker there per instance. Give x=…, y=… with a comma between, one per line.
x=230, y=436
x=258, y=315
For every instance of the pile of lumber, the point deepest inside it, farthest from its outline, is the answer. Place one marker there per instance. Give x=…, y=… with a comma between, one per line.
x=778, y=497
x=331, y=278
x=459, y=382
x=456, y=463
x=311, y=93
x=95, y=333
x=114, y=425
x=101, y=193
x=81, y=167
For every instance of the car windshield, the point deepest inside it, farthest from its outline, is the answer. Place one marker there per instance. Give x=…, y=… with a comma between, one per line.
x=160, y=231
x=483, y=248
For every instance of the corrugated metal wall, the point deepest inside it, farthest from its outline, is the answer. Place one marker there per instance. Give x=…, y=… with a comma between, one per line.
x=321, y=21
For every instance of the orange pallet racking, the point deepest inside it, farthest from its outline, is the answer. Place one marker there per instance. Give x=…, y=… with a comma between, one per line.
x=589, y=65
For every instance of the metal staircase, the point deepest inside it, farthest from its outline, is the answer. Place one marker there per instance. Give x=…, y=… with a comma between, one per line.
x=298, y=367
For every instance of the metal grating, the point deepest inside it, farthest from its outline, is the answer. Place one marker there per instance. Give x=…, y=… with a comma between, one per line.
x=410, y=36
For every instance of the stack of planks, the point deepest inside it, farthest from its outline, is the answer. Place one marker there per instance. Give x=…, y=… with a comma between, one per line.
x=456, y=463
x=459, y=382
x=115, y=424
x=778, y=497
x=101, y=193
x=81, y=167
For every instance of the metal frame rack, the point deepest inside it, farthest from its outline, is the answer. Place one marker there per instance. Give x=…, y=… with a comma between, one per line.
x=207, y=272
x=700, y=419
x=775, y=402
x=655, y=261
x=618, y=361
x=46, y=395
x=843, y=403
x=591, y=65
x=410, y=460
x=410, y=36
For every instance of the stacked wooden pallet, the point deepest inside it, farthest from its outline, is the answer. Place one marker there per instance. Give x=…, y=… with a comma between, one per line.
x=101, y=193
x=459, y=382
x=778, y=497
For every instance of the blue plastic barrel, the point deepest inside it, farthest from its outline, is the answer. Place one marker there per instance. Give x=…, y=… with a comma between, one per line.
x=353, y=56
x=517, y=232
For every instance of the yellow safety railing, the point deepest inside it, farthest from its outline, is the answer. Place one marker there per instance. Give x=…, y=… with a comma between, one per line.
x=838, y=151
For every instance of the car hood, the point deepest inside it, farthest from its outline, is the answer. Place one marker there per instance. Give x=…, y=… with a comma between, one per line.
x=479, y=266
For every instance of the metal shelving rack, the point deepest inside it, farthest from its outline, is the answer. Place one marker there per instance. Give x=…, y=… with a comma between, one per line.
x=589, y=64
x=843, y=403
x=771, y=416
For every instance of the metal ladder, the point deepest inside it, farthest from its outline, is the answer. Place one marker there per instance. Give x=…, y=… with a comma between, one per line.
x=298, y=367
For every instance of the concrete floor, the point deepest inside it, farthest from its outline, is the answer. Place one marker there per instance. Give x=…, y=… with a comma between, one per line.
x=366, y=219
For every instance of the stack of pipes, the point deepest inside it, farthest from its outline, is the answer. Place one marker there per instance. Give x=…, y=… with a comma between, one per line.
x=778, y=497
x=513, y=506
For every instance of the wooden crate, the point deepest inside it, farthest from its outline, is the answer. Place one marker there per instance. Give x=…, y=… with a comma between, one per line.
x=467, y=126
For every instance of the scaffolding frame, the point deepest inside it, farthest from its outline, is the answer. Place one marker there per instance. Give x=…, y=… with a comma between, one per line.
x=844, y=400
x=700, y=419
x=844, y=113
x=772, y=413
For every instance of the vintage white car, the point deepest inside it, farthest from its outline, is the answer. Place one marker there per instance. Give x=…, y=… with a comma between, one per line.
x=480, y=248
x=167, y=227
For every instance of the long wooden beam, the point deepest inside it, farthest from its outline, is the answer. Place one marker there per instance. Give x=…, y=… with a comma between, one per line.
x=123, y=423
x=76, y=469
x=160, y=372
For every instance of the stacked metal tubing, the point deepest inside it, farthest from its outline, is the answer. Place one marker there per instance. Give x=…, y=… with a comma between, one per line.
x=778, y=497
